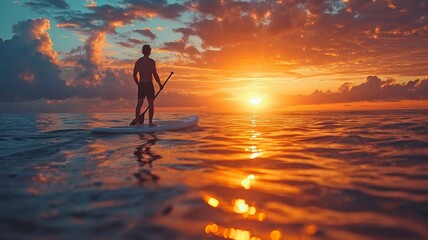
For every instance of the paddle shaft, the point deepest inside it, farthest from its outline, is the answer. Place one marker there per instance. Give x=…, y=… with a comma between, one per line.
x=163, y=85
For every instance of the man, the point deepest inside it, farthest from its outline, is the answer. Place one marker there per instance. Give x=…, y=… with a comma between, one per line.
x=146, y=67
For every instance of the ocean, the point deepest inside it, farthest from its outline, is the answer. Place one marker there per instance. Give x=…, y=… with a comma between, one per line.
x=292, y=175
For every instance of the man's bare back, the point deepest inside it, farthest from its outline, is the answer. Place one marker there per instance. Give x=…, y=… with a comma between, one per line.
x=146, y=68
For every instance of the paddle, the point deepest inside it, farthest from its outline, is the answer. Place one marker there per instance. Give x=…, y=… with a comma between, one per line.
x=147, y=108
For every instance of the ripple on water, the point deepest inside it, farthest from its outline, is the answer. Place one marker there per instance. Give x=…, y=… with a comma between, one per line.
x=314, y=175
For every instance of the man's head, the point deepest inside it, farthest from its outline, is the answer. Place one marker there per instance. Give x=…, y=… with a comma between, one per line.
x=146, y=50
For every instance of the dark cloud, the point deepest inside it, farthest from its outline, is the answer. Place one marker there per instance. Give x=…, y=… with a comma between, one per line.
x=104, y=18
x=219, y=8
x=146, y=32
x=107, y=17
x=180, y=47
x=158, y=7
x=135, y=41
x=89, y=67
x=114, y=84
x=186, y=32
x=131, y=43
x=373, y=89
x=28, y=69
x=42, y=4
x=235, y=29
x=126, y=44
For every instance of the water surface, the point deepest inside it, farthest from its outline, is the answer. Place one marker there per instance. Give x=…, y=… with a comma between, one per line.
x=297, y=175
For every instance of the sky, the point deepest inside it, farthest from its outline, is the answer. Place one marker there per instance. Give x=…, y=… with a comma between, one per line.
x=78, y=56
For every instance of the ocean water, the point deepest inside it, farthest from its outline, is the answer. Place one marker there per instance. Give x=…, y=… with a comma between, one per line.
x=296, y=175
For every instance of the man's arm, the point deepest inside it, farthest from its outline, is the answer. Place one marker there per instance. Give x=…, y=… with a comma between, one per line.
x=135, y=73
x=155, y=74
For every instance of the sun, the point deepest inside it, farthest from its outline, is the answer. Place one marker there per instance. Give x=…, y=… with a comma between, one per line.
x=255, y=101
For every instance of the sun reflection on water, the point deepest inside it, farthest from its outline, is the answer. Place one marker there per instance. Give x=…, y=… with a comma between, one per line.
x=248, y=181
x=212, y=201
x=255, y=153
x=229, y=233
x=239, y=205
x=236, y=233
x=255, y=136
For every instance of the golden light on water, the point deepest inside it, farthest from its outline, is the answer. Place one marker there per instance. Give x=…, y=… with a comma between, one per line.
x=211, y=228
x=252, y=210
x=311, y=229
x=275, y=235
x=254, y=155
x=229, y=233
x=254, y=151
x=246, y=183
x=240, y=206
x=255, y=136
x=261, y=217
x=212, y=201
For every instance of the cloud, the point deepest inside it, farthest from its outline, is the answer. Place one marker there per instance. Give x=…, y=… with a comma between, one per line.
x=135, y=41
x=156, y=7
x=131, y=43
x=230, y=30
x=186, y=32
x=146, y=32
x=180, y=47
x=88, y=67
x=104, y=18
x=36, y=30
x=373, y=89
x=90, y=3
x=107, y=17
x=218, y=8
x=356, y=36
x=115, y=84
x=42, y=4
x=126, y=44
x=28, y=69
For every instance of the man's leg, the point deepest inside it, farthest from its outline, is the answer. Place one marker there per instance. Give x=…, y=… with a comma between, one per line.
x=138, y=110
x=151, y=112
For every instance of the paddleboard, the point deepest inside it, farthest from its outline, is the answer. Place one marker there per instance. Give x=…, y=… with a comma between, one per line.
x=161, y=126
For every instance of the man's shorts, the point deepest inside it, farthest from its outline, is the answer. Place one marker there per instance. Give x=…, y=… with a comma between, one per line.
x=146, y=89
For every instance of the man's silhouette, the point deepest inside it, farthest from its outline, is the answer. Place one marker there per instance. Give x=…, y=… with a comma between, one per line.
x=146, y=67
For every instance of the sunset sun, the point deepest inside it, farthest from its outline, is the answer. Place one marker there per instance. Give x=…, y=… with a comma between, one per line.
x=255, y=101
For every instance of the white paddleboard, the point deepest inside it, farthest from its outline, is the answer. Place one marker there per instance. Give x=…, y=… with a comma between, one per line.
x=161, y=126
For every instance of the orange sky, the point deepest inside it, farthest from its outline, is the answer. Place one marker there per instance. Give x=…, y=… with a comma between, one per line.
x=298, y=54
